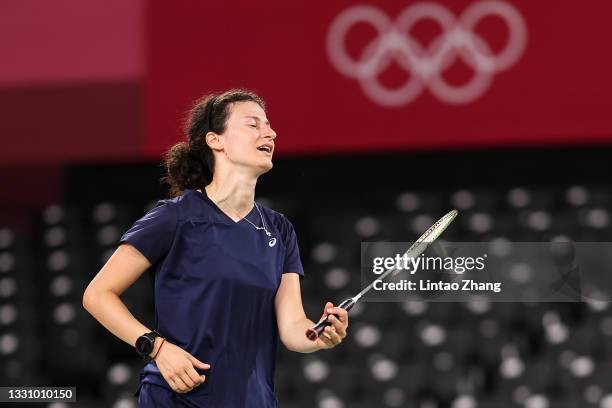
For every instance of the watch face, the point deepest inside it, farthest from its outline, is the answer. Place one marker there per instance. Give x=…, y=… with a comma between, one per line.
x=144, y=346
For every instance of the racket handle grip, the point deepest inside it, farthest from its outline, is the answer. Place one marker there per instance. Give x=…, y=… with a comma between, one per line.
x=315, y=331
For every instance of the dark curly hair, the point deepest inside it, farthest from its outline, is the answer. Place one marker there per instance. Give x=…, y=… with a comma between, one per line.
x=191, y=164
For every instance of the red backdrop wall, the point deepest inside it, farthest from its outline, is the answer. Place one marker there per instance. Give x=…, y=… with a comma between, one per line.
x=113, y=83
x=556, y=89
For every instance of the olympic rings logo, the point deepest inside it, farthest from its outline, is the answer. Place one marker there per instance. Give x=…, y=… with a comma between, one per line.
x=426, y=64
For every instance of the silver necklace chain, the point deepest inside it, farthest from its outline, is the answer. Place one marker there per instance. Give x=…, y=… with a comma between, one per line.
x=263, y=223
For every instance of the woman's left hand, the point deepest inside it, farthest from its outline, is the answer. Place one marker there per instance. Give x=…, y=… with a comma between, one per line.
x=334, y=334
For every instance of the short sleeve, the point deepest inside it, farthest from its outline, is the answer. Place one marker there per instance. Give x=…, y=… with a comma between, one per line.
x=292, y=261
x=153, y=234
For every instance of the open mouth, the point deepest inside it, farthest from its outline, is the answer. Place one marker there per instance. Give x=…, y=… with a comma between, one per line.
x=266, y=149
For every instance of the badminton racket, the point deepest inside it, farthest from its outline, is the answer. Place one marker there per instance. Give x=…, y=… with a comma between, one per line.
x=416, y=249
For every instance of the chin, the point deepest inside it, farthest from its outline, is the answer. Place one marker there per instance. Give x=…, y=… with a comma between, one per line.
x=265, y=167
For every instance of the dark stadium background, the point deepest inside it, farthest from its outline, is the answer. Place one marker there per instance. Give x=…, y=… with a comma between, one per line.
x=91, y=95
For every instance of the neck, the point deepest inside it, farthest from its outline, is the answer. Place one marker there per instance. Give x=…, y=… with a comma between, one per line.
x=233, y=192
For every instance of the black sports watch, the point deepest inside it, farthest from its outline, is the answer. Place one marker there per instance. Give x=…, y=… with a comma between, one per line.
x=146, y=343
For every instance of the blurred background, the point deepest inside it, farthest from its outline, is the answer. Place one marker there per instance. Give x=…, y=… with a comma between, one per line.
x=389, y=114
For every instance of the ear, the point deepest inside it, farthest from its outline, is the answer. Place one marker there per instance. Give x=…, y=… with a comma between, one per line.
x=214, y=141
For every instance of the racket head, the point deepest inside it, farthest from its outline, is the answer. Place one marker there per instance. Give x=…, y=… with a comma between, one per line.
x=438, y=227
x=430, y=235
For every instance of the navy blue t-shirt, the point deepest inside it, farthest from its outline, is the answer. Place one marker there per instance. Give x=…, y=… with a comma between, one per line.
x=215, y=283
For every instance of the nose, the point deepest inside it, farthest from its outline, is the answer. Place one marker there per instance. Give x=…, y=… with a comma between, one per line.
x=270, y=133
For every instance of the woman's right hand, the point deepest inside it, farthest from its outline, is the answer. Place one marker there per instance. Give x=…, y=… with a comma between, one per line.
x=178, y=368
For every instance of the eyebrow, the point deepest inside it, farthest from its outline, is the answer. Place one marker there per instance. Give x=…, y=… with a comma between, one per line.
x=258, y=119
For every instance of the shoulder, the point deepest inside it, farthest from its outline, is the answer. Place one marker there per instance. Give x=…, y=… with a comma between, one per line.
x=184, y=206
x=161, y=215
x=277, y=219
x=165, y=208
x=171, y=202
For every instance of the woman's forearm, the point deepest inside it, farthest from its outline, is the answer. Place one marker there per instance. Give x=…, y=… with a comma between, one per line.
x=295, y=338
x=107, y=308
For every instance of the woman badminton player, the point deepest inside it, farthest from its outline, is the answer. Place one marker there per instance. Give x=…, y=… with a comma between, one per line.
x=227, y=270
